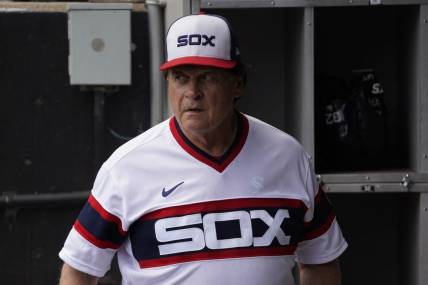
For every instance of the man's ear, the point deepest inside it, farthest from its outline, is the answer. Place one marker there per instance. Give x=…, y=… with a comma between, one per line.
x=165, y=73
x=238, y=86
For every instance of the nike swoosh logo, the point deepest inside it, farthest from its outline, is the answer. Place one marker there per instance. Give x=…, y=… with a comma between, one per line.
x=167, y=192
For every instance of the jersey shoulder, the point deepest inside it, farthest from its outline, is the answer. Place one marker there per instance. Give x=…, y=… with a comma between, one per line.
x=144, y=140
x=267, y=134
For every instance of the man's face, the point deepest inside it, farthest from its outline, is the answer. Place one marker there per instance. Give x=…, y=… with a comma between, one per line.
x=202, y=98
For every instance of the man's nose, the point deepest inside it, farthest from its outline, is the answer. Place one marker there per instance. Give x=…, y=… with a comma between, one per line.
x=193, y=89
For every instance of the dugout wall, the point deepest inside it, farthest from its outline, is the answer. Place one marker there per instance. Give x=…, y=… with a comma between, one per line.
x=308, y=58
x=48, y=135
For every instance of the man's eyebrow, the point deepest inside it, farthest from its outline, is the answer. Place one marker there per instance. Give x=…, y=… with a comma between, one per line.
x=177, y=72
x=211, y=72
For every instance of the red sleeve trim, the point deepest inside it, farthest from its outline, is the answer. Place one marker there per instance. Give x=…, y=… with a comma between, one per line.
x=321, y=230
x=106, y=215
x=92, y=239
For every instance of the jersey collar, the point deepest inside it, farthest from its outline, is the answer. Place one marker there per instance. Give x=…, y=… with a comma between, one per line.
x=222, y=162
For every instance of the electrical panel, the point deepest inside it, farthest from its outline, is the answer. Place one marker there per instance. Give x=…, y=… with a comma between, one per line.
x=100, y=43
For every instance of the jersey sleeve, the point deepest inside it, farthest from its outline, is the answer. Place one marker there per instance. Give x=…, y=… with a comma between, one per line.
x=98, y=230
x=321, y=240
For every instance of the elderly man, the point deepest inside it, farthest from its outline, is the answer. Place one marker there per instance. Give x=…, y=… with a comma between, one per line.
x=210, y=196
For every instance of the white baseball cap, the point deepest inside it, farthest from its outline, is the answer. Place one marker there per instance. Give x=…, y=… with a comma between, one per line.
x=201, y=40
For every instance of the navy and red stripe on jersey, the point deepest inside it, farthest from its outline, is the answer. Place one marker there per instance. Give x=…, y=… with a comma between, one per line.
x=98, y=226
x=323, y=217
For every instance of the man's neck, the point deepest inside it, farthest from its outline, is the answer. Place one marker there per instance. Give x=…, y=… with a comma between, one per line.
x=218, y=141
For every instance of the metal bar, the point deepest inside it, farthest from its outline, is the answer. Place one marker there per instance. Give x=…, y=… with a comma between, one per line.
x=381, y=177
x=51, y=199
x=412, y=56
x=404, y=2
x=375, y=188
x=48, y=7
x=19, y=7
x=157, y=51
x=217, y=4
x=196, y=7
x=307, y=116
x=422, y=260
x=422, y=153
x=99, y=126
x=365, y=188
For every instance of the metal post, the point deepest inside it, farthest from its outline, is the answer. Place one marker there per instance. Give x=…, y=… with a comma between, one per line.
x=306, y=120
x=422, y=111
x=195, y=6
x=157, y=57
x=99, y=126
x=43, y=199
x=422, y=261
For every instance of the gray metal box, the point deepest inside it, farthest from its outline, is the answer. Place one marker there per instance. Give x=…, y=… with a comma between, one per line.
x=100, y=44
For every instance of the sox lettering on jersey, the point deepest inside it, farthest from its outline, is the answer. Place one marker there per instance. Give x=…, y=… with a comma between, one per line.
x=274, y=227
x=218, y=229
x=166, y=231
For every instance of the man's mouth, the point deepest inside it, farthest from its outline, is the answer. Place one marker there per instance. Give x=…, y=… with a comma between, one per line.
x=194, y=110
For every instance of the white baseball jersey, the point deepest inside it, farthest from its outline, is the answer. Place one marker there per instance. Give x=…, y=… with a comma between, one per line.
x=176, y=215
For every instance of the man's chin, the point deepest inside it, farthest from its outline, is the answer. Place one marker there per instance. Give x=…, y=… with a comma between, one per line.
x=194, y=125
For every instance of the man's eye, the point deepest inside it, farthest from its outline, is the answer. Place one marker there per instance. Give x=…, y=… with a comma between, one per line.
x=179, y=78
x=208, y=77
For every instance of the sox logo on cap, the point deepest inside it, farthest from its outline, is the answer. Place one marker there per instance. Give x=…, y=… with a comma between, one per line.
x=201, y=40
x=195, y=40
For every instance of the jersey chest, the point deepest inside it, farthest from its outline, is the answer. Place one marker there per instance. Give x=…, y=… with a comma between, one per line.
x=203, y=215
